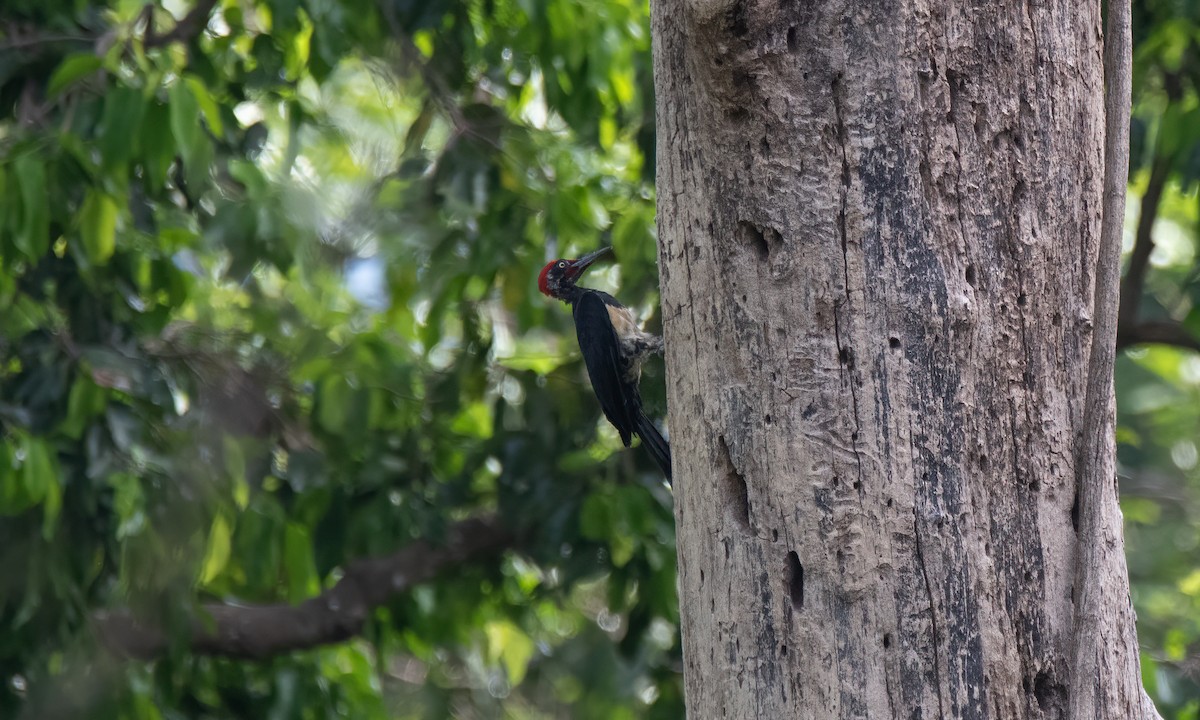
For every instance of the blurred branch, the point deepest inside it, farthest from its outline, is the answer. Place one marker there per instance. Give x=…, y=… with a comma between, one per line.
x=21, y=42
x=189, y=27
x=338, y=614
x=1143, y=246
x=14, y=36
x=1161, y=332
x=1129, y=330
x=439, y=91
x=1134, y=283
x=434, y=83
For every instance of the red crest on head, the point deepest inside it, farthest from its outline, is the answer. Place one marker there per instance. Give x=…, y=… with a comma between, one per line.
x=542, y=278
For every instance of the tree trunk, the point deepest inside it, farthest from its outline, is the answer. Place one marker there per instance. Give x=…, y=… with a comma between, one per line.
x=879, y=225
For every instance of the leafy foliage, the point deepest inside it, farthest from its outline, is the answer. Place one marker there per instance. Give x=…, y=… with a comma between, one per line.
x=268, y=305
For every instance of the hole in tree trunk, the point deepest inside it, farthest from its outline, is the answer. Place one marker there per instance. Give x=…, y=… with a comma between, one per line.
x=753, y=237
x=1051, y=695
x=846, y=356
x=737, y=495
x=796, y=580
x=736, y=20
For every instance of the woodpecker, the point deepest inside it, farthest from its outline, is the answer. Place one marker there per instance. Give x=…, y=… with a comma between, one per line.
x=613, y=347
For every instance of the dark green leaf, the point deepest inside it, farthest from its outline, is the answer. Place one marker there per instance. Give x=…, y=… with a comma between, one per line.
x=72, y=69
x=33, y=237
x=120, y=126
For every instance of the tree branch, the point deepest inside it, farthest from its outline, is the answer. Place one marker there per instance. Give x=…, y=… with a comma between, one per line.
x=1101, y=587
x=1143, y=246
x=1129, y=330
x=1160, y=332
x=339, y=613
x=189, y=27
x=435, y=84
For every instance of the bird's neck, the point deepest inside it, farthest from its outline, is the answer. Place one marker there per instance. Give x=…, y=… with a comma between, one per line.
x=570, y=295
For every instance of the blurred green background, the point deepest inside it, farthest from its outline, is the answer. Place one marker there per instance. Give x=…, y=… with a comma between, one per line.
x=268, y=304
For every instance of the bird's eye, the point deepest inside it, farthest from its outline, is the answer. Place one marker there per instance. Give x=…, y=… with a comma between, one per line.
x=562, y=263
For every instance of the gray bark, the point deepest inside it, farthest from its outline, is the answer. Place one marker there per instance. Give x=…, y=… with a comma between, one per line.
x=879, y=228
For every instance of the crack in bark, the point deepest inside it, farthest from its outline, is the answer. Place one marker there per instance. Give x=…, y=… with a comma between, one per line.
x=1012, y=431
x=687, y=263
x=951, y=80
x=845, y=353
x=846, y=360
x=1027, y=373
x=843, y=138
x=1028, y=7
x=937, y=652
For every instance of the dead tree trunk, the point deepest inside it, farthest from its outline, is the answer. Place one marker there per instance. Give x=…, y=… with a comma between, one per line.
x=879, y=225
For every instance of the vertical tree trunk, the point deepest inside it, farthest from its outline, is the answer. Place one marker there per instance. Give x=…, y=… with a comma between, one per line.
x=879, y=225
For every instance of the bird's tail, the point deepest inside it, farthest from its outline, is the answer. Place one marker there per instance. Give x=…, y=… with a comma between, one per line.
x=653, y=441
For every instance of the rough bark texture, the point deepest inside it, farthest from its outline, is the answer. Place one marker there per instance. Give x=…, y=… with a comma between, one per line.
x=879, y=224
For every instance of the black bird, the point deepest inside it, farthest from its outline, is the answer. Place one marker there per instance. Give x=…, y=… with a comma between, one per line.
x=613, y=347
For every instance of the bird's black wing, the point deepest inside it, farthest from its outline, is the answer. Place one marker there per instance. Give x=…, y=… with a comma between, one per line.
x=602, y=355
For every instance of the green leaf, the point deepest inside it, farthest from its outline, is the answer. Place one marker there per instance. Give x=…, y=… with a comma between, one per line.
x=208, y=106
x=1140, y=510
x=621, y=546
x=12, y=496
x=332, y=406
x=1190, y=584
x=298, y=561
x=235, y=459
x=7, y=207
x=86, y=401
x=128, y=503
x=185, y=110
x=38, y=469
x=595, y=517
x=1150, y=674
x=235, y=467
x=508, y=645
x=98, y=226
x=216, y=556
x=297, y=52
x=70, y=70
x=419, y=128
x=474, y=421
x=51, y=507
x=33, y=239
x=156, y=144
x=120, y=126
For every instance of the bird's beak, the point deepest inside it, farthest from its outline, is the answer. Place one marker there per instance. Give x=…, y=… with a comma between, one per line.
x=577, y=267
